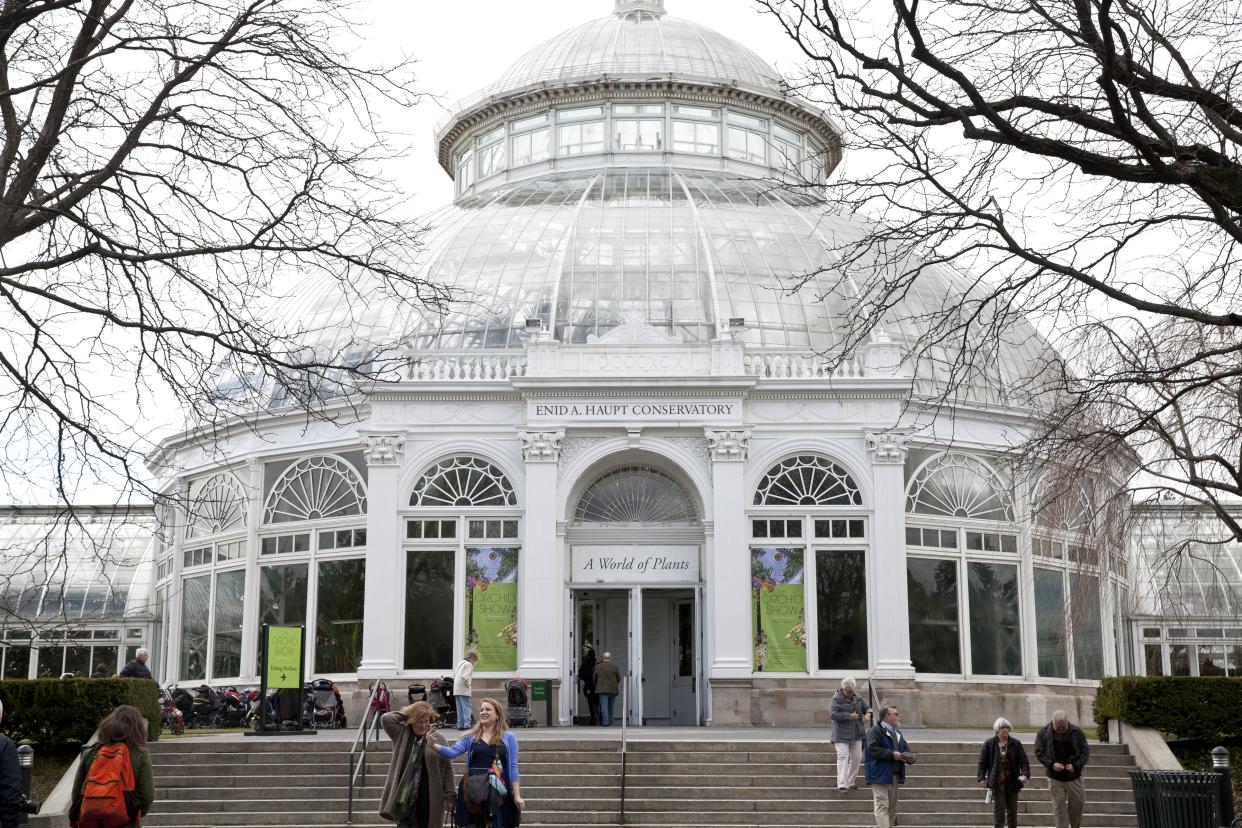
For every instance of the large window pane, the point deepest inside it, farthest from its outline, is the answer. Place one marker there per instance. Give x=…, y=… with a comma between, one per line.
x=1212, y=660
x=995, y=640
x=1088, y=636
x=932, y=589
x=195, y=610
x=230, y=594
x=429, y=610
x=1050, y=640
x=1179, y=660
x=338, y=618
x=16, y=662
x=78, y=661
x=841, y=587
x=105, y=657
x=1152, y=655
x=282, y=595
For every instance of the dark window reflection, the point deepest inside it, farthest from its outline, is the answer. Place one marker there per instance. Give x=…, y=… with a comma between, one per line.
x=932, y=586
x=16, y=662
x=995, y=640
x=338, y=621
x=429, y=610
x=1050, y=623
x=195, y=595
x=282, y=594
x=841, y=589
x=1179, y=660
x=1152, y=655
x=1088, y=633
x=230, y=596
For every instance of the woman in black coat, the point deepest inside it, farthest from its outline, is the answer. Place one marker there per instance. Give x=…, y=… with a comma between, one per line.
x=1003, y=770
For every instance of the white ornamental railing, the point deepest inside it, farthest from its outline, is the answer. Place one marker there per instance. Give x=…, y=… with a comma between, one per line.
x=802, y=366
x=468, y=366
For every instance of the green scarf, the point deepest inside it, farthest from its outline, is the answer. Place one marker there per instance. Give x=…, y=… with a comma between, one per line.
x=407, y=788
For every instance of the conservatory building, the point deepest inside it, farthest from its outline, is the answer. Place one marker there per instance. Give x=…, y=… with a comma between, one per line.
x=636, y=429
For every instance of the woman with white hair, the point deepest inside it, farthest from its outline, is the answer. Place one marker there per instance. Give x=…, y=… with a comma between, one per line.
x=1003, y=770
x=847, y=712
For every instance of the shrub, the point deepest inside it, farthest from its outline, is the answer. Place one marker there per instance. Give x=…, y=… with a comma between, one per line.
x=1186, y=707
x=55, y=712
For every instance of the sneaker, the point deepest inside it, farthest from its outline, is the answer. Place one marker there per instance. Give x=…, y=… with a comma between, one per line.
x=842, y=789
x=853, y=787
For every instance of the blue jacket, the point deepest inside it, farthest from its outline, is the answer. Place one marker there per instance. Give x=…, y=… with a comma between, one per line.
x=878, y=750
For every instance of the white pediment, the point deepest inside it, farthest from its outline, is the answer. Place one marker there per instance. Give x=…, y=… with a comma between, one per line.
x=635, y=330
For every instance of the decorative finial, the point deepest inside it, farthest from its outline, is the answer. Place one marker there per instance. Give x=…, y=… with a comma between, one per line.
x=654, y=7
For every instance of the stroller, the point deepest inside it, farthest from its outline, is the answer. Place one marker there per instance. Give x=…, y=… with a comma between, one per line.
x=324, y=706
x=517, y=692
x=441, y=700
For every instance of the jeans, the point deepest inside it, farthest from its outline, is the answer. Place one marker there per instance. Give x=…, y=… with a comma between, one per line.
x=605, y=708
x=465, y=712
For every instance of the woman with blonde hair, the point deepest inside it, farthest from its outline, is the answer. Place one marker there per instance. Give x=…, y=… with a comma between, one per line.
x=489, y=795
x=418, y=791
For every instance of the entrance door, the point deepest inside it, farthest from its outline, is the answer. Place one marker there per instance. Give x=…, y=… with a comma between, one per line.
x=685, y=666
x=657, y=678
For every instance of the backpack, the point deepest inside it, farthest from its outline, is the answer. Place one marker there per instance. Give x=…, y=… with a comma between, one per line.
x=104, y=801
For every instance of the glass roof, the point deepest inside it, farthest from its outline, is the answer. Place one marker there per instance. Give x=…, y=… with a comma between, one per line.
x=637, y=42
x=57, y=572
x=684, y=251
x=1180, y=573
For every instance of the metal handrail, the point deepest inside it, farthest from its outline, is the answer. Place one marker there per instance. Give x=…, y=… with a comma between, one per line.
x=369, y=719
x=625, y=717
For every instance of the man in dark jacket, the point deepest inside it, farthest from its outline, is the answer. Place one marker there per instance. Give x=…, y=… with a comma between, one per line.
x=586, y=675
x=607, y=685
x=136, y=667
x=1062, y=749
x=10, y=782
x=887, y=756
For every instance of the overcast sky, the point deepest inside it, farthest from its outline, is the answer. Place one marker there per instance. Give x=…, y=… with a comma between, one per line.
x=462, y=47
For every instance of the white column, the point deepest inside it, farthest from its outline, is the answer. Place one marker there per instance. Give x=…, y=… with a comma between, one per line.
x=541, y=566
x=180, y=519
x=382, y=618
x=728, y=561
x=250, y=601
x=887, y=602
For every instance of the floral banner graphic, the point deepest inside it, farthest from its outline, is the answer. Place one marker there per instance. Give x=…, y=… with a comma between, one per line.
x=778, y=609
x=491, y=607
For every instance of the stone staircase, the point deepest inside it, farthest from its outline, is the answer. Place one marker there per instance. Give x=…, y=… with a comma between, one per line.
x=243, y=784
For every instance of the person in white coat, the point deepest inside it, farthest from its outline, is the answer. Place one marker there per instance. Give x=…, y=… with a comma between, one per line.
x=463, y=676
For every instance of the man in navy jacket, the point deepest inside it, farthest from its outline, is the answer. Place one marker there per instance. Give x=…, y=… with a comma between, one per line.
x=10, y=782
x=887, y=756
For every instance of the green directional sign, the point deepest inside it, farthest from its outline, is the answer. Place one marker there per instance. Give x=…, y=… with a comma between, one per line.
x=284, y=657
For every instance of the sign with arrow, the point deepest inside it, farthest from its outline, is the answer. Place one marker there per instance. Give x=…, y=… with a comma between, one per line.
x=284, y=657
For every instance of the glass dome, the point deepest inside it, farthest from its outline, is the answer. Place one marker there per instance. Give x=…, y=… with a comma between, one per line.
x=683, y=251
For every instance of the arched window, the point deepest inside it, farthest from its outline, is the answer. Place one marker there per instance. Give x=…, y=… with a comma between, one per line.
x=635, y=494
x=218, y=505
x=959, y=486
x=1065, y=506
x=463, y=481
x=316, y=488
x=807, y=480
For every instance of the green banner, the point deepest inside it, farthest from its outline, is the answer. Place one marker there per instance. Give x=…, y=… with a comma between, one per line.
x=491, y=607
x=284, y=657
x=778, y=609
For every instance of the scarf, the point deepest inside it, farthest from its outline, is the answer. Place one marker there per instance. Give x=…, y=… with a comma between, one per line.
x=411, y=777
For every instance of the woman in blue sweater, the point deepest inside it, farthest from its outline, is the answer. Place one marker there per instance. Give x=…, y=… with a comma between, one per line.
x=487, y=742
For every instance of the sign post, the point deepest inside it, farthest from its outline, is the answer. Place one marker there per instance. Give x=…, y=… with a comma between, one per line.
x=282, y=663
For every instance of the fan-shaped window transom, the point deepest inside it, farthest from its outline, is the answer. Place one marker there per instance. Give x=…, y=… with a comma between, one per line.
x=463, y=481
x=958, y=486
x=316, y=488
x=636, y=494
x=807, y=480
x=1066, y=506
x=218, y=506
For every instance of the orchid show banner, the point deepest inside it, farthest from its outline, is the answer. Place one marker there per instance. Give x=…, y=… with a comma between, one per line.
x=491, y=607
x=778, y=609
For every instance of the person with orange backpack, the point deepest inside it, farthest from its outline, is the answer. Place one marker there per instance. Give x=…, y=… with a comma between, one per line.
x=114, y=786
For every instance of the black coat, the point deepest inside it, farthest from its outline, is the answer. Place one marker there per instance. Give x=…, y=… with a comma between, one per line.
x=135, y=669
x=990, y=761
x=1045, y=752
x=586, y=671
x=10, y=784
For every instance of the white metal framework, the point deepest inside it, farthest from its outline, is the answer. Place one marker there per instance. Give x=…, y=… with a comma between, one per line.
x=807, y=480
x=960, y=486
x=218, y=505
x=635, y=495
x=315, y=488
x=463, y=481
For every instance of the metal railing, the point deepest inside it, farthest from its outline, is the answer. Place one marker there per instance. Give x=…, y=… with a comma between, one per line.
x=358, y=760
x=625, y=718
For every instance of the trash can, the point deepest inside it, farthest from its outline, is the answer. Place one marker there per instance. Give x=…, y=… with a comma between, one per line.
x=1175, y=799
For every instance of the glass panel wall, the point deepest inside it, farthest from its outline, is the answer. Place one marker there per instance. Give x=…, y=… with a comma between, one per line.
x=338, y=617
x=1179, y=660
x=932, y=588
x=841, y=589
x=1152, y=655
x=429, y=610
x=1088, y=634
x=195, y=612
x=282, y=594
x=995, y=638
x=1050, y=641
x=227, y=638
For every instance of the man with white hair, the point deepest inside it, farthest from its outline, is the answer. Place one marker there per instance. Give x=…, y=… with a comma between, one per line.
x=607, y=685
x=136, y=667
x=10, y=782
x=1062, y=749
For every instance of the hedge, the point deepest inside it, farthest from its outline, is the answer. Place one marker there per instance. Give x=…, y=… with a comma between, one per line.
x=1186, y=707
x=52, y=712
